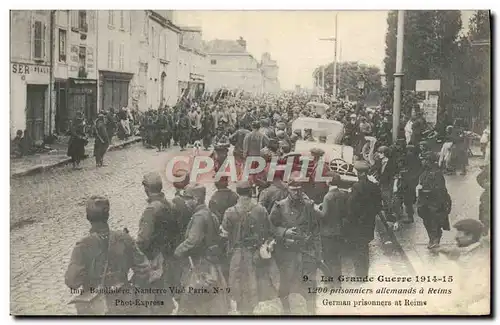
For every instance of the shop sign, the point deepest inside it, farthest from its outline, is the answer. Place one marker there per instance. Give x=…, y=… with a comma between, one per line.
x=24, y=69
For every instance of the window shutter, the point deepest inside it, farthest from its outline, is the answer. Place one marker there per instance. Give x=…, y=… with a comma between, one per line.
x=44, y=41
x=110, y=17
x=110, y=54
x=122, y=19
x=75, y=19
x=37, y=40
x=122, y=53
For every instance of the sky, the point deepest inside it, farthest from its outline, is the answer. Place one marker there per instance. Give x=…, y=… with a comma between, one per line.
x=292, y=37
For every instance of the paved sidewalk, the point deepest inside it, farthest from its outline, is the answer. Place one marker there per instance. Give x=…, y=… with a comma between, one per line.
x=40, y=162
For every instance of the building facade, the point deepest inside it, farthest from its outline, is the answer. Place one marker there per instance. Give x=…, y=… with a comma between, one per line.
x=115, y=68
x=75, y=66
x=192, y=64
x=231, y=66
x=270, y=70
x=31, y=87
x=156, y=41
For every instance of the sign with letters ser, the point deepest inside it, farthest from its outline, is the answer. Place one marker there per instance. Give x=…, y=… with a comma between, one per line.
x=24, y=69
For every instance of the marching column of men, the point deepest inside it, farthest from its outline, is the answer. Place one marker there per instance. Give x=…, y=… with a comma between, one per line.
x=185, y=250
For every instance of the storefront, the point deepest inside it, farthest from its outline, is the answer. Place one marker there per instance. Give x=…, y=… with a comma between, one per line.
x=72, y=96
x=197, y=85
x=114, y=87
x=30, y=100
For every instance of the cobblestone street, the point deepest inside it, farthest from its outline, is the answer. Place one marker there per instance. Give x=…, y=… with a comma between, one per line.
x=48, y=216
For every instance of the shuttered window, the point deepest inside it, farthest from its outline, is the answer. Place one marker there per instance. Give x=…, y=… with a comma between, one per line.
x=153, y=41
x=111, y=18
x=110, y=55
x=75, y=19
x=122, y=19
x=122, y=59
x=39, y=40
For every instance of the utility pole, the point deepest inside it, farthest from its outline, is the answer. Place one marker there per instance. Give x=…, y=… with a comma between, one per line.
x=398, y=76
x=334, y=89
x=340, y=61
x=334, y=40
x=323, y=79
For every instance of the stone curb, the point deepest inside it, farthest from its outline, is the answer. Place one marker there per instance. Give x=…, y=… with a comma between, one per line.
x=42, y=168
x=396, y=246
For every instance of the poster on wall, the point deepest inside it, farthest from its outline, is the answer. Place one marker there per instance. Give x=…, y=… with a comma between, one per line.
x=430, y=108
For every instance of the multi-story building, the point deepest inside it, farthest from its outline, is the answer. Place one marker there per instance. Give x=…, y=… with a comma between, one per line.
x=192, y=67
x=75, y=66
x=155, y=54
x=270, y=72
x=31, y=103
x=114, y=59
x=231, y=66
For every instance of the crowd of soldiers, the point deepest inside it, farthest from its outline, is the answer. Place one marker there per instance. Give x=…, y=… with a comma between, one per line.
x=257, y=254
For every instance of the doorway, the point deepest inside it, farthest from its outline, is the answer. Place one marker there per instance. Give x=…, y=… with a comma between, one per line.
x=35, y=111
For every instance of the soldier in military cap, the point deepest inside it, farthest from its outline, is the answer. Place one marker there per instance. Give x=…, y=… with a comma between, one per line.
x=158, y=229
x=201, y=247
x=247, y=228
x=363, y=204
x=295, y=223
x=385, y=169
x=472, y=255
x=103, y=259
x=333, y=214
x=434, y=202
x=276, y=191
x=316, y=189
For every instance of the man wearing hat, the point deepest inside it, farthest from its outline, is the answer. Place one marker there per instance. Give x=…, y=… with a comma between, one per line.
x=333, y=213
x=223, y=198
x=201, y=249
x=275, y=192
x=246, y=226
x=115, y=252
x=472, y=256
x=295, y=224
x=156, y=237
x=254, y=141
x=484, y=180
x=434, y=202
x=101, y=143
x=385, y=170
x=363, y=205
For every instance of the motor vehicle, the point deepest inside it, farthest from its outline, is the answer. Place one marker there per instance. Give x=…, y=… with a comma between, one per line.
x=338, y=158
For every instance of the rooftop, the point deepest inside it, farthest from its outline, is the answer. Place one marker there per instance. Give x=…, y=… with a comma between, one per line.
x=223, y=46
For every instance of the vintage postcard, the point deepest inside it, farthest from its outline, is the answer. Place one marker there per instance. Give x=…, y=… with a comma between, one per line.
x=169, y=162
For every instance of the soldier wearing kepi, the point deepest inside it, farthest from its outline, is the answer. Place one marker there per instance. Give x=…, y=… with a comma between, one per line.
x=201, y=248
x=275, y=192
x=363, y=204
x=434, y=202
x=102, y=260
x=221, y=200
x=247, y=228
x=158, y=229
x=295, y=224
x=333, y=214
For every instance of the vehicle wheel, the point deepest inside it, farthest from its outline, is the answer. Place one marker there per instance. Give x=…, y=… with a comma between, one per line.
x=339, y=166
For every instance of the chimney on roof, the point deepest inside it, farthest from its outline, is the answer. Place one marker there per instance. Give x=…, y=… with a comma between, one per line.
x=242, y=43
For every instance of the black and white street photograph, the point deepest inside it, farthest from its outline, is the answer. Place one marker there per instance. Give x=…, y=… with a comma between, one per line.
x=250, y=162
